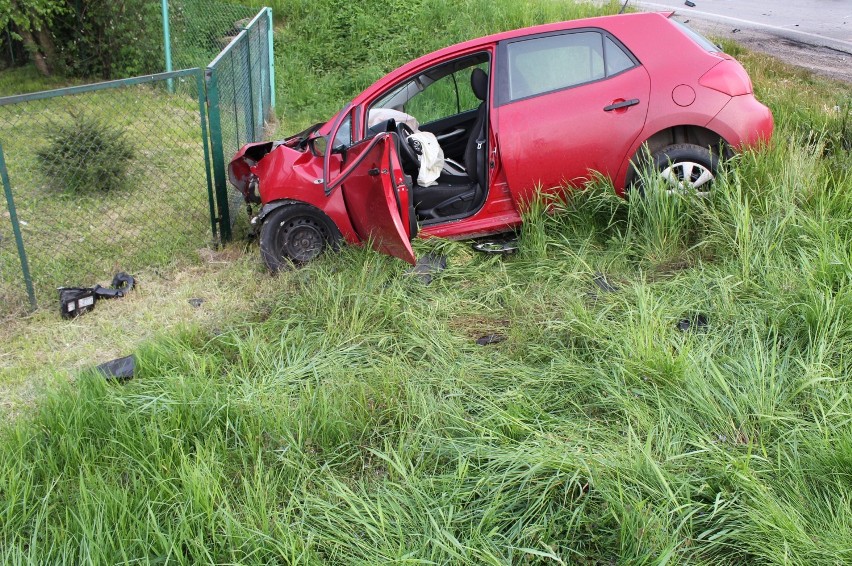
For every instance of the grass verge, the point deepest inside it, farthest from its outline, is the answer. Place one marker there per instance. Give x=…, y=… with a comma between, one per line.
x=345, y=413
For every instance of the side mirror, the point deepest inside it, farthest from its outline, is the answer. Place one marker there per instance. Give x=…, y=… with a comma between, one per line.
x=319, y=145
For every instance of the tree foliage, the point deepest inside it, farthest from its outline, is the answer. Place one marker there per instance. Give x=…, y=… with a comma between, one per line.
x=29, y=21
x=86, y=38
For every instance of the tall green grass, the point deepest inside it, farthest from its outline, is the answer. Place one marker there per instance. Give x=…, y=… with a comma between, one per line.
x=354, y=419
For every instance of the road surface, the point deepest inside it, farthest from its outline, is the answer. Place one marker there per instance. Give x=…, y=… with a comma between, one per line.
x=815, y=34
x=824, y=23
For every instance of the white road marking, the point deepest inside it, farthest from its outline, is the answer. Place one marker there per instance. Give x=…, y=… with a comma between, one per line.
x=749, y=23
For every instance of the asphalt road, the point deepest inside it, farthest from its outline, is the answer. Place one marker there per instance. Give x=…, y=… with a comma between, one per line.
x=823, y=23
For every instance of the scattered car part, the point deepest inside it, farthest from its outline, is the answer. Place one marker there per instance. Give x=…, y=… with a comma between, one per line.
x=74, y=301
x=490, y=339
x=119, y=369
x=601, y=281
x=427, y=266
x=696, y=321
x=195, y=302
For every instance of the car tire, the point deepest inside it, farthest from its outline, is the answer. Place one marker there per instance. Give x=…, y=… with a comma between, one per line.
x=294, y=234
x=684, y=168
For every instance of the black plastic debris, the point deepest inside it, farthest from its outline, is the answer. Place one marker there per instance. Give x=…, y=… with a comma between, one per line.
x=120, y=369
x=74, y=301
x=735, y=30
x=695, y=322
x=196, y=302
x=602, y=283
x=490, y=339
x=427, y=265
x=690, y=4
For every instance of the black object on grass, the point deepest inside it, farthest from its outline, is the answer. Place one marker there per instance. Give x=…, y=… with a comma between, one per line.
x=490, y=339
x=426, y=266
x=119, y=369
x=696, y=321
x=74, y=301
x=602, y=283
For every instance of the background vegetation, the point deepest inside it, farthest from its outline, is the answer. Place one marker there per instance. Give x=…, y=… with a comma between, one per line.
x=343, y=413
x=82, y=38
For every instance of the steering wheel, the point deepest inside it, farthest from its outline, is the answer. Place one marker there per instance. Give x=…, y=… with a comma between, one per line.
x=403, y=130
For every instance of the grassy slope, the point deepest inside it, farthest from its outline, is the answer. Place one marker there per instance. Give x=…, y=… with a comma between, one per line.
x=352, y=418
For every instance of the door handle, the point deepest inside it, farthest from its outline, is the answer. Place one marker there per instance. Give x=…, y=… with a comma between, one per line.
x=622, y=104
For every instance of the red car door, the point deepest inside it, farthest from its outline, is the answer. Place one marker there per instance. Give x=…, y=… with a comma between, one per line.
x=567, y=104
x=377, y=199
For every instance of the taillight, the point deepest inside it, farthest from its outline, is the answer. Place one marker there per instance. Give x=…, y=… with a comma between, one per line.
x=728, y=77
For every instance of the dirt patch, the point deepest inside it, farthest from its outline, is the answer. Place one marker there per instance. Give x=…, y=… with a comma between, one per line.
x=41, y=349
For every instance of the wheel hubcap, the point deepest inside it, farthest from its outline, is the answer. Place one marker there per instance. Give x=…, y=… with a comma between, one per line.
x=688, y=177
x=303, y=240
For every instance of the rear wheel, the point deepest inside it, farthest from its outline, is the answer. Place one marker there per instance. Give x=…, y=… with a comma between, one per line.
x=294, y=234
x=684, y=168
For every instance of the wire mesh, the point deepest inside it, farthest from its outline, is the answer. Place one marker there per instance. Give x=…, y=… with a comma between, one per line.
x=242, y=94
x=200, y=29
x=116, y=176
x=106, y=180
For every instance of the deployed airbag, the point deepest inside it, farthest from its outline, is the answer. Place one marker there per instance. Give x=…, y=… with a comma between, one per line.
x=431, y=157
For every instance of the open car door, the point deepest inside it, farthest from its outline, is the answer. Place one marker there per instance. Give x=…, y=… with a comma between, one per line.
x=377, y=199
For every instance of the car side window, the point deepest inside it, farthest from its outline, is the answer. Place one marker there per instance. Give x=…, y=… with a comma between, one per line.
x=553, y=62
x=616, y=58
x=343, y=138
x=447, y=96
x=436, y=93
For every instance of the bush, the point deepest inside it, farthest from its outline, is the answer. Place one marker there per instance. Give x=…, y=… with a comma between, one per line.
x=87, y=155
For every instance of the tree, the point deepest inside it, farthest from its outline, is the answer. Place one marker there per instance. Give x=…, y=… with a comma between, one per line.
x=30, y=21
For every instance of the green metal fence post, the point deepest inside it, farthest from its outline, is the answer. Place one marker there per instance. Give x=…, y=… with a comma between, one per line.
x=271, y=60
x=202, y=111
x=167, y=43
x=219, y=179
x=251, y=118
x=16, y=229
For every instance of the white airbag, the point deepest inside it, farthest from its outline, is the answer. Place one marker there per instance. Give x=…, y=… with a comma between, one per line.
x=431, y=160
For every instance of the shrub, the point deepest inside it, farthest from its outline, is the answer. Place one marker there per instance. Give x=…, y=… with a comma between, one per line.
x=86, y=155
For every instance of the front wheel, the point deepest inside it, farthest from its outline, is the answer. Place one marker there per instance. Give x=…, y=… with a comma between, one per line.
x=294, y=234
x=685, y=168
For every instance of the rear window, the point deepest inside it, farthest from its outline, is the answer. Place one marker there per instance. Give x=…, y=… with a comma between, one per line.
x=702, y=41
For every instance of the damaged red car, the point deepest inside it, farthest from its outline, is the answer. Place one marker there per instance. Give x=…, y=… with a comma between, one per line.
x=454, y=143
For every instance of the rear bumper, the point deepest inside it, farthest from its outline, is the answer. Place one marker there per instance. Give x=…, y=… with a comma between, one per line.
x=744, y=122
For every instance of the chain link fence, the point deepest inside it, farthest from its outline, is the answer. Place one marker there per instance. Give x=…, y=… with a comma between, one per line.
x=128, y=175
x=240, y=84
x=102, y=178
x=200, y=29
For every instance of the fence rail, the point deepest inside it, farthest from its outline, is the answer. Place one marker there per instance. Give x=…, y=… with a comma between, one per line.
x=129, y=174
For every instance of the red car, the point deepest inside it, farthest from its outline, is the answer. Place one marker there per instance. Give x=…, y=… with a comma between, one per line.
x=454, y=143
